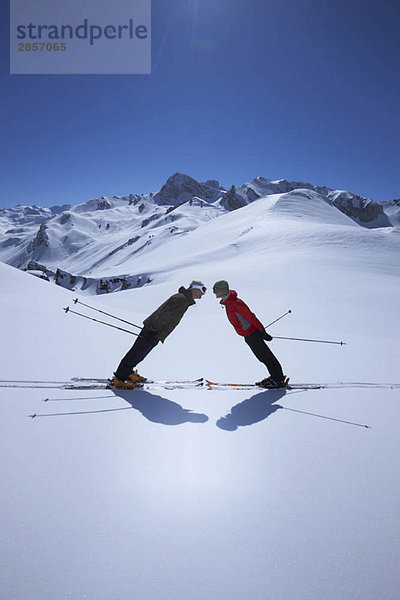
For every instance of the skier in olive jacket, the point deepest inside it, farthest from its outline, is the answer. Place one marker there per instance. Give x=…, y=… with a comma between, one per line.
x=156, y=328
x=248, y=326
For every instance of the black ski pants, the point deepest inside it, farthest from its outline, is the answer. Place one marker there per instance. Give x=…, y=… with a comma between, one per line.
x=264, y=354
x=144, y=344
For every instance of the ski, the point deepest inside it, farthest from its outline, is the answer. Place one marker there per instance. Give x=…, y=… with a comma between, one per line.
x=34, y=386
x=303, y=386
x=145, y=385
x=249, y=386
x=80, y=383
x=94, y=383
x=107, y=381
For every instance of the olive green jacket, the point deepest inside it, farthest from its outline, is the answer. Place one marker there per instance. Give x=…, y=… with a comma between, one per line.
x=167, y=316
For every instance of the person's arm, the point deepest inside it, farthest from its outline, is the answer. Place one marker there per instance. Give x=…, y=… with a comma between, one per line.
x=246, y=313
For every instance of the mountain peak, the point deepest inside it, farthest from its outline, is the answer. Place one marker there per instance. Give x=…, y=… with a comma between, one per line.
x=109, y=235
x=180, y=188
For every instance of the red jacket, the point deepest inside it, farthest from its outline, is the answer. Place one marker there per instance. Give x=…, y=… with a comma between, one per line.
x=244, y=321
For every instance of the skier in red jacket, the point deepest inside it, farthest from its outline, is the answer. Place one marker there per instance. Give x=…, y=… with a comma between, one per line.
x=247, y=325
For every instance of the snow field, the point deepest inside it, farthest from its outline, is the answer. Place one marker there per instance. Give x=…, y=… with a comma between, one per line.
x=138, y=501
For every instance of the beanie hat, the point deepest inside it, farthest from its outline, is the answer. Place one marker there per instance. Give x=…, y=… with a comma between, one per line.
x=221, y=286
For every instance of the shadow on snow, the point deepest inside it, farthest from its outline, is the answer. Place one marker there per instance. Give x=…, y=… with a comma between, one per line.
x=253, y=410
x=160, y=410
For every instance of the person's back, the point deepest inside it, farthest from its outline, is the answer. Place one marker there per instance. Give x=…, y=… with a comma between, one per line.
x=167, y=316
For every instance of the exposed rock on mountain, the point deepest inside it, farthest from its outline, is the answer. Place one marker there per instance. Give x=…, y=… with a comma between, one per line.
x=76, y=282
x=232, y=201
x=89, y=245
x=180, y=188
x=392, y=210
x=41, y=239
x=363, y=210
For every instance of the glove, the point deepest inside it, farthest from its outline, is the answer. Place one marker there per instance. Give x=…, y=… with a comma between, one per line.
x=266, y=336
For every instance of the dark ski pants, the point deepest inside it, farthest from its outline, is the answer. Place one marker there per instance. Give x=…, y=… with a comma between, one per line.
x=144, y=344
x=264, y=354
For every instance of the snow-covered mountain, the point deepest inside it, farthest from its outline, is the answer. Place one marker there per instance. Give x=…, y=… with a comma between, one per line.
x=109, y=243
x=392, y=210
x=269, y=495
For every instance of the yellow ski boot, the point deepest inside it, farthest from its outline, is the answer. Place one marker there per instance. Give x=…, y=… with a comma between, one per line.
x=128, y=384
x=136, y=377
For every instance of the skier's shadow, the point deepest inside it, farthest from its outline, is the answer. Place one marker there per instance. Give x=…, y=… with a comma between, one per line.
x=159, y=410
x=253, y=410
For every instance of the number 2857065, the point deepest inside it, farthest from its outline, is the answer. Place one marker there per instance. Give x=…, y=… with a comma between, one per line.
x=42, y=47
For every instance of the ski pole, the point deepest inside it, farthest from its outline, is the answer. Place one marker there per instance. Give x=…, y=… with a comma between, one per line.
x=277, y=337
x=67, y=309
x=106, y=313
x=278, y=319
x=325, y=417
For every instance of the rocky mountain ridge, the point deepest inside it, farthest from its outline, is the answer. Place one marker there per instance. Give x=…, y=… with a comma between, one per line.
x=87, y=246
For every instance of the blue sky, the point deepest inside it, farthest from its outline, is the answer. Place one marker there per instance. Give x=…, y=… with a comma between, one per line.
x=305, y=90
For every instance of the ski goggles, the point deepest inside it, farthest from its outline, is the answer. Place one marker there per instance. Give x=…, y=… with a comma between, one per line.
x=202, y=288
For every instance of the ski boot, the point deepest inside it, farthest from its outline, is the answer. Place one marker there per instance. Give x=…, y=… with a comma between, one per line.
x=271, y=384
x=128, y=384
x=134, y=376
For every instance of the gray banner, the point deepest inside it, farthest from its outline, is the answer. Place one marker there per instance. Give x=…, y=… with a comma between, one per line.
x=72, y=37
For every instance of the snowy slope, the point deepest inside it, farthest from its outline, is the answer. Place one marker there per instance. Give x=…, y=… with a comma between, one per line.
x=98, y=246
x=297, y=225
x=123, y=495
x=105, y=236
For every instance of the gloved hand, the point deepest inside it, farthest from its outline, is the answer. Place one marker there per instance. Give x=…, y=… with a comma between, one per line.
x=266, y=336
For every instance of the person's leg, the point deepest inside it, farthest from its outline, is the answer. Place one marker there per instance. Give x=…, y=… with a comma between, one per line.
x=144, y=343
x=260, y=349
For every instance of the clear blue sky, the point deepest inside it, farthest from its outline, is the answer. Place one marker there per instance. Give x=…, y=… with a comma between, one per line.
x=305, y=90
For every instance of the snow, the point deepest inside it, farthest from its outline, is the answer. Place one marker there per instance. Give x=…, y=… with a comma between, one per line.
x=104, y=237
x=392, y=209
x=124, y=494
